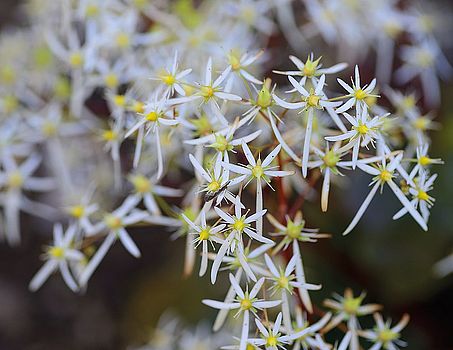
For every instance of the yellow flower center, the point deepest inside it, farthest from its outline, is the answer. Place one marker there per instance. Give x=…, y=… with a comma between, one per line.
x=424, y=58
x=49, y=129
x=113, y=222
x=351, y=305
x=77, y=211
x=385, y=176
x=421, y=123
x=264, y=98
x=360, y=94
x=271, y=341
x=10, y=103
x=122, y=40
x=56, y=252
x=246, y=304
x=422, y=195
x=234, y=61
x=207, y=91
x=257, y=171
x=214, y=186
x=331, y=159
x=424, y=161
x=92, y=10
x=239, y=225
x=250, y=347
x=309, y=69
x=283, y=282
x=119, y=100
x=109, y=135
x=15, y=179
x=141, y=183
x=76, y=59
x=362, y=129
x=62, y=88
x=386, y=335
x=204, y=234
x=313, y=100
x=138, y=107
x=7, y=74
x=152, y=116
x=168, y=79
x=111, y=80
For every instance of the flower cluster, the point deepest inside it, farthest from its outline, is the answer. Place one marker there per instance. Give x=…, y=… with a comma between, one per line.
x=156, y=113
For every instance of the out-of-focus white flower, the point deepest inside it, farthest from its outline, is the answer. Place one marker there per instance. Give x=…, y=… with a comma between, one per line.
x=59, y=256
x=384, y=335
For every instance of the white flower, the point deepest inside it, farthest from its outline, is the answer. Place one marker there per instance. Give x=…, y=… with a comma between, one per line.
x=205, y=233
x=363, y=132
x=385, y=336
x=115, y=224
x=217, y=180
x=146, y=189
x=14, y=180
x=284, y=281
x=423, y=161
x=156, y=113
x=271, y=339
x=260, y=171
x=420, y=196
x=59, y=256
x=210, y=90
x=311, y=69
x=245, y=302
x=172, y=78
x=237, y=224
x=384, y=174
x=315, y=99
x=357, y=93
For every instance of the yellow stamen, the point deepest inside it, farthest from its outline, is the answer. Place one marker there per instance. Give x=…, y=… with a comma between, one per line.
x=77, y=211
x=385, y=176
x=56, y=252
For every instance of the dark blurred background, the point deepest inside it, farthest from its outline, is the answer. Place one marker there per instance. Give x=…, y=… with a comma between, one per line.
x=391, y=260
